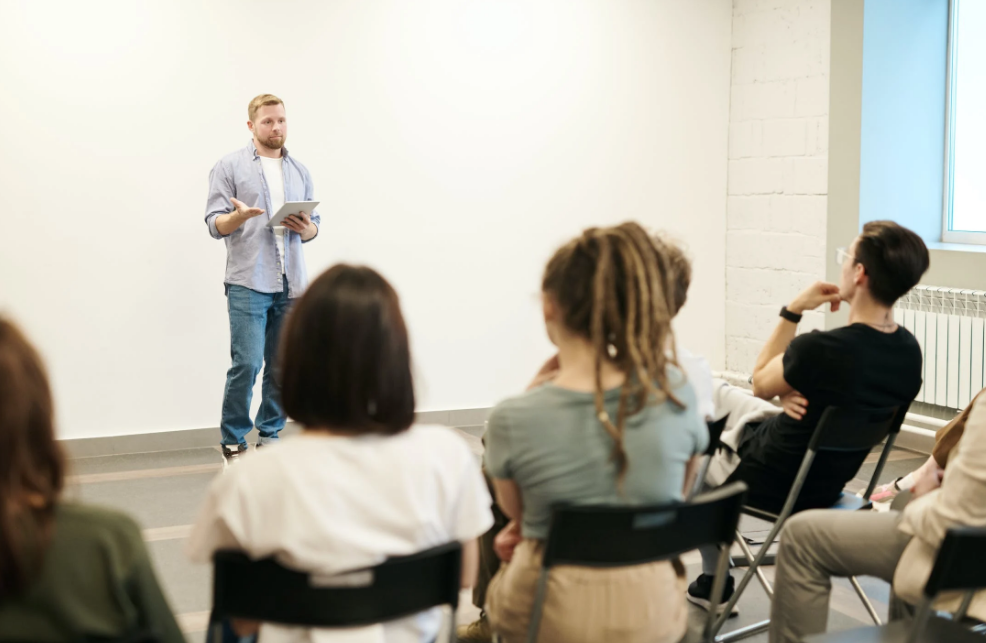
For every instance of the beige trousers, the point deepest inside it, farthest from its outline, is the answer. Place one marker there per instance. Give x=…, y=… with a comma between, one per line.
x=817, y=545
x=639, y=604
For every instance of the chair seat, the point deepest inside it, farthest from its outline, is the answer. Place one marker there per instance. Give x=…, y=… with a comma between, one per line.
x=938, y=630
x=850, y=502
x=846, y=502
x=760, y=513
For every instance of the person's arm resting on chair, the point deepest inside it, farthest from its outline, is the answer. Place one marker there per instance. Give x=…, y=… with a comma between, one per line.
x=768, y=374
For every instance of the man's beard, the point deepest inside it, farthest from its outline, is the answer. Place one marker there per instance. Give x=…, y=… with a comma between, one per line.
x=272, y=143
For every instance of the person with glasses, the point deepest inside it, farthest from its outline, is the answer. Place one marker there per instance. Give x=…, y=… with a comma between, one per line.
x=872, y=362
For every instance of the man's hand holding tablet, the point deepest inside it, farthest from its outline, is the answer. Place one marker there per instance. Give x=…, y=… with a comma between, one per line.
x=296, y=216
x=297, y=222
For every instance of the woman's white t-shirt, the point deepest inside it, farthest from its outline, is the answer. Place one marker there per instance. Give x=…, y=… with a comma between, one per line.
x=330, y=504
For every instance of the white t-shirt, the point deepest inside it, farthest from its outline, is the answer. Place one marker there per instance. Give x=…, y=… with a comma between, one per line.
x=330, y=504
x=700, y=377
x=274, y=175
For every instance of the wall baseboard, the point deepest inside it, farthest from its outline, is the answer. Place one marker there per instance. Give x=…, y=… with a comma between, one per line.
x=911, y=437
x=468, y=419
x=917, y=439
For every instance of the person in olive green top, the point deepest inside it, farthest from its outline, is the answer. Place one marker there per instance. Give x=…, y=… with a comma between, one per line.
x=68, y=572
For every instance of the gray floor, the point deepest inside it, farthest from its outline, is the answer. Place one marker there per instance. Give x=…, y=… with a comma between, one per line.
x=163, y=491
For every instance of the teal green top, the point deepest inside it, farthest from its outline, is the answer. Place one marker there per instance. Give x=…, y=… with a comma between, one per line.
x=96, y=581
x=552, y=444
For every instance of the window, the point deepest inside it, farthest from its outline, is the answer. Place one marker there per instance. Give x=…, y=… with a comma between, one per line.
x=965, y=149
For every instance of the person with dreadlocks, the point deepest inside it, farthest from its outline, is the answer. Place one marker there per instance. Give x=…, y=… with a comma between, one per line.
x=616, y=425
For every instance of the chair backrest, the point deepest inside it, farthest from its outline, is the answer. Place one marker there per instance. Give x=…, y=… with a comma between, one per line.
x=397, y=587
x=855, y=429
x=608, y=536
x=961, y=562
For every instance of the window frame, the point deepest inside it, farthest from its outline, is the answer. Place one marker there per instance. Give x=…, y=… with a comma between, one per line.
x=948, y=235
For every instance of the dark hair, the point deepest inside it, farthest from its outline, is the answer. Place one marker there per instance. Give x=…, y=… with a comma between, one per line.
x=681, y=270
x=613, y=286
x=894, y=257
x=345, y=359
x=32, y=467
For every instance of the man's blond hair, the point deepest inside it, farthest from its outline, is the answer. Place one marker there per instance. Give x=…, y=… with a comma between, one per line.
x=260, y=101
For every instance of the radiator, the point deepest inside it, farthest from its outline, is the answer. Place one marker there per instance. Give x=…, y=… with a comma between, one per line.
x=950, y=326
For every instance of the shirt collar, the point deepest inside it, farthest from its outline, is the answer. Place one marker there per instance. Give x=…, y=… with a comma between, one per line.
x=252, y=147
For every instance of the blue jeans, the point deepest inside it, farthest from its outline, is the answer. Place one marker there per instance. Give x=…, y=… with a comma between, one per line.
x=255, y=320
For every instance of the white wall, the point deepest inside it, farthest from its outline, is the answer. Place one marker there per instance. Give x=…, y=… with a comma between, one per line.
x=778, y=166
x=453, y=145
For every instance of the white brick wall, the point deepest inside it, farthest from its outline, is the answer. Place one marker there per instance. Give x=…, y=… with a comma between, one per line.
x=778, y=166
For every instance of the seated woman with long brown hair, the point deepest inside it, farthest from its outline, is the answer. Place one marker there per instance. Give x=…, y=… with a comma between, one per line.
x=362, y=482
x=68, y=572
x=617, y=425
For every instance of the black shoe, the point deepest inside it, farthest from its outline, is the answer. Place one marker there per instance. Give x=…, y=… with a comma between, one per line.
x=700, y=593
x=231, y=457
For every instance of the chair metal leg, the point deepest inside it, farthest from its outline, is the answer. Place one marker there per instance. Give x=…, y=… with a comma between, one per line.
x=866, y=600
x=964, y=606
x=748, y=576
x=452, y=635
x=792, y=497
x=920, y=620
x=756, y=628
x=744, y=632
x=742, y=561
x=718, y=585
x=535, y=624
x=767, y=587
x=887, y=448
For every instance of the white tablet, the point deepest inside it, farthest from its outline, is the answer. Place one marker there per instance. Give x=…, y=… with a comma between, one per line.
x=289, y=208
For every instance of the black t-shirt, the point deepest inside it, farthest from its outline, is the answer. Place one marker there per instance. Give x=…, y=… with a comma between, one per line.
x=855, y=365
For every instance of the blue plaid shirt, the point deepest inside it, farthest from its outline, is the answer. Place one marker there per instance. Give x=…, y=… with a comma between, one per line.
x=252, y=259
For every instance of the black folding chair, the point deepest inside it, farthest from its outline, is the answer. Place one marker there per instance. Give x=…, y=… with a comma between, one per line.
x=396, y=588
x=960, y=566
x=624, y=536
x=840, y=430
x=715, y=433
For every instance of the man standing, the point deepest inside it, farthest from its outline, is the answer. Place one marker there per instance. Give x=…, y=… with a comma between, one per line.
x=265, y=267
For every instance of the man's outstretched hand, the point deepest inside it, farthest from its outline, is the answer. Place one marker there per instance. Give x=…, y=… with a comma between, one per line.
x=244, y=211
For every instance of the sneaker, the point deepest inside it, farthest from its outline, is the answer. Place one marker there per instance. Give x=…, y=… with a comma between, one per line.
x=700, y=593
x=885, y=493
x=476, y=632
x=231, y=457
